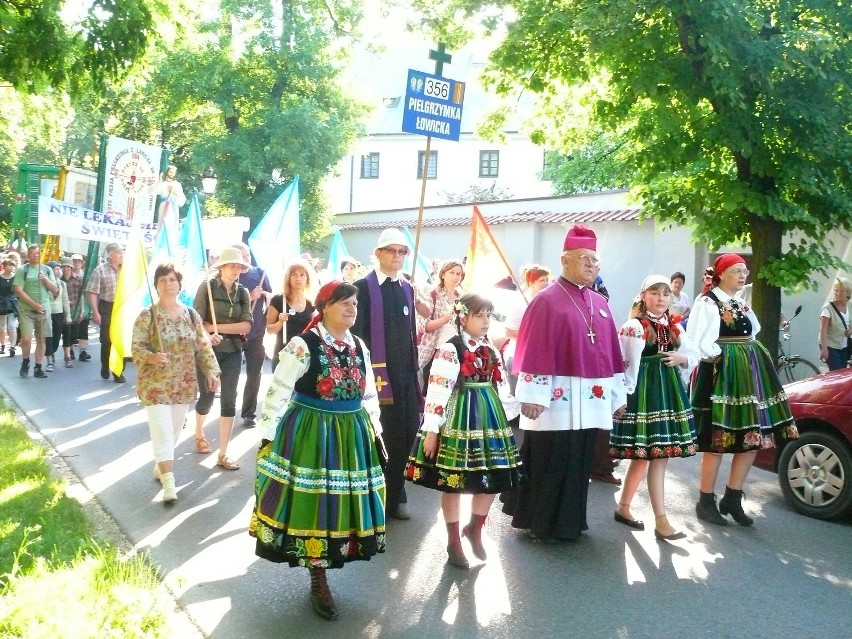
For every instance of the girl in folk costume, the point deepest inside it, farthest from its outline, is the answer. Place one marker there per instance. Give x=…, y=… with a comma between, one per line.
x=465, y=445
x=319, y=489
x=656, y=423
x=739, y=404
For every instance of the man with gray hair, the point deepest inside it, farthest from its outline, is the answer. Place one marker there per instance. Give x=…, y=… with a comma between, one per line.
x=101, y=290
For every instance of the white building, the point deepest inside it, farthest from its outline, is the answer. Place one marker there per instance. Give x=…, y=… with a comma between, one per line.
x=384, y=168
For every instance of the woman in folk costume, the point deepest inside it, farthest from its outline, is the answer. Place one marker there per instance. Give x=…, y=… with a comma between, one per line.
x=465, y=445
x=320, y=491
x=656, y=424
x=739, y=404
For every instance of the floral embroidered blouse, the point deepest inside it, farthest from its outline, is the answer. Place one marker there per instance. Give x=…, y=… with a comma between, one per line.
x=445, y=372
x=633, y=341
x=185, y=342
x=295, y=361
x=706, y=321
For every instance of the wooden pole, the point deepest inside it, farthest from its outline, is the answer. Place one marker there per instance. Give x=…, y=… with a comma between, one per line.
x=210, y=301
x=420, y=208
x=154, y=321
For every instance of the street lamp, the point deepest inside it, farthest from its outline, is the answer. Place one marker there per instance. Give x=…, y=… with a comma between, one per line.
x=209, y=180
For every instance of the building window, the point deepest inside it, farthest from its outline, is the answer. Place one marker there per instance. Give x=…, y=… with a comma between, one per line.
x=552, y=161
x=370, y=166
x=489, y=164
x=431, y=169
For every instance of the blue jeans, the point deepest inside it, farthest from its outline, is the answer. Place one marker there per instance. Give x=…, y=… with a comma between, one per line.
x=837, y=358
x=230, y=363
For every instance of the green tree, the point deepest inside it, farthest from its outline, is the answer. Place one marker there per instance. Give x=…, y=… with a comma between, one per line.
x=44, y=44
x=255, y=94
x=735, y=115
x=597, y=166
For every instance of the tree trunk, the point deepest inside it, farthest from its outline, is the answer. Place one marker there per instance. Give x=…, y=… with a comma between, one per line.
x=766, y=236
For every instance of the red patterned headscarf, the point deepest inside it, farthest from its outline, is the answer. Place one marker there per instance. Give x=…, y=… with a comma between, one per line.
x=323, y=295
x=722, y=264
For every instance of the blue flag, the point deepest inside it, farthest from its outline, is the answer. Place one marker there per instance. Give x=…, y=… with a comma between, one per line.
x=336, y=254
x=275, y=239
x=192, y=256
x=423, y=265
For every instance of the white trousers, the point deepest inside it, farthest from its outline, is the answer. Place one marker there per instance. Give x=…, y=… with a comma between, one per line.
x=165, y=422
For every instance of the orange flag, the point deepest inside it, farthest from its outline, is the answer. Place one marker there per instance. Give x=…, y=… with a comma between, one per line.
x=486, y=265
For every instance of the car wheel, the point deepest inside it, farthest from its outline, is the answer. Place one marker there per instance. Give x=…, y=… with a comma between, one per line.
x=815, y=473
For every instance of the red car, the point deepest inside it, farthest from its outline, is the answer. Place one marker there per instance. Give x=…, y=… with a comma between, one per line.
x=815, y=471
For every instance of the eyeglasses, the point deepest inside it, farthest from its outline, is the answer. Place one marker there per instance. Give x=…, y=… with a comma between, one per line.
x=739, y=271
x=591, y=260
x=402, y=251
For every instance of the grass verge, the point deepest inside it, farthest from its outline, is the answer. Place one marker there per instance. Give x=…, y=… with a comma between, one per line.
x=56, y=579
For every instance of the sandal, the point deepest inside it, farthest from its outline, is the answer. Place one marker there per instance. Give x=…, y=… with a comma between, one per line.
x=202, y=445
x=227, y=464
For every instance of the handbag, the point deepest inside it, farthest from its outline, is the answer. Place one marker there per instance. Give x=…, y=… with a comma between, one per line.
x=845, y=328
x=428, y=342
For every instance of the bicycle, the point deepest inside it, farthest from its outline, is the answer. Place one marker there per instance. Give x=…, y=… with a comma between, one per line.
x=792, y=368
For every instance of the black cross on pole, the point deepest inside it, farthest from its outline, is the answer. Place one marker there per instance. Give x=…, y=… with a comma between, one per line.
x=440, y=57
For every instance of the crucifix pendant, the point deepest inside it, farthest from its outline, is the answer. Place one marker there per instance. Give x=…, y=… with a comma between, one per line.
x=591, y=335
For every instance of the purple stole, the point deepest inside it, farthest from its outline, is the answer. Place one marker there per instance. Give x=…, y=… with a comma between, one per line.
x=378, y=352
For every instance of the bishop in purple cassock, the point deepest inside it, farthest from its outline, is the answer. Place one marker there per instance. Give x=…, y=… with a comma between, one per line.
x=570, y=380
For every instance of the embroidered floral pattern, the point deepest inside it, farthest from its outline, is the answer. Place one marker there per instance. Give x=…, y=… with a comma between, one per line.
x=597, y=392
x=731, y=312
x=340, y=375
x=480, y=365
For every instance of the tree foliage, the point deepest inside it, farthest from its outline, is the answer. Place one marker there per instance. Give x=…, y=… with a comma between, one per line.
x=255, y=95
x=735, y=116
x=251, y=90
x=42, y=44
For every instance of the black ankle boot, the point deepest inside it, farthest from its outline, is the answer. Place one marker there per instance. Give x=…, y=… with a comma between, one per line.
x=732, y=504
x=321, y=599
x=706, y=510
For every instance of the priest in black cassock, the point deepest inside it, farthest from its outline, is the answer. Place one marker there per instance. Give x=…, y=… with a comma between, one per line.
x=386, y=324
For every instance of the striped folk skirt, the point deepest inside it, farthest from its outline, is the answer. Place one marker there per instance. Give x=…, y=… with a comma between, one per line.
x=739, y=403
x=658, y=421
x=477, y=451
x=319, y=490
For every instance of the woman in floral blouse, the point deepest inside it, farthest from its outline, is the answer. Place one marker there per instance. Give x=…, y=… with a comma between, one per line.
x=737, y=398
x=656, y=422
x=320, y=491
x=168, y=340
x=439, y=322
x=465, y=444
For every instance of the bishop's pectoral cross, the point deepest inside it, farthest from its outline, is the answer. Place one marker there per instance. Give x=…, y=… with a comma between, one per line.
x=591, y=335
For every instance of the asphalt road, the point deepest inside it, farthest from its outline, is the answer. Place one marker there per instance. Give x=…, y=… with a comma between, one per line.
x=788, y=576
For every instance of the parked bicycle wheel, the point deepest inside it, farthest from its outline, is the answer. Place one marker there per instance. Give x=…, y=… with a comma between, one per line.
x=794, y=368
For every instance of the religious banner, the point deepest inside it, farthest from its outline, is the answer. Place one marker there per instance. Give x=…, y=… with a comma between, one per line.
x=128, y=171
x=56, y=217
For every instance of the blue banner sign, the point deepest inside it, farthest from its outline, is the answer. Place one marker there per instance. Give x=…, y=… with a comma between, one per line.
x=433, y=106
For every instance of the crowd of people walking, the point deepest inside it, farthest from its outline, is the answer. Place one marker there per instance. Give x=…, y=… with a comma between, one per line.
x=376, y=382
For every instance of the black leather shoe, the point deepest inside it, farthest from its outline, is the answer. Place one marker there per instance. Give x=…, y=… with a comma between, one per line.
x=249, y=422
x=119, y=379
x=679, y=534
x=401, y=512
x=633, y=523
